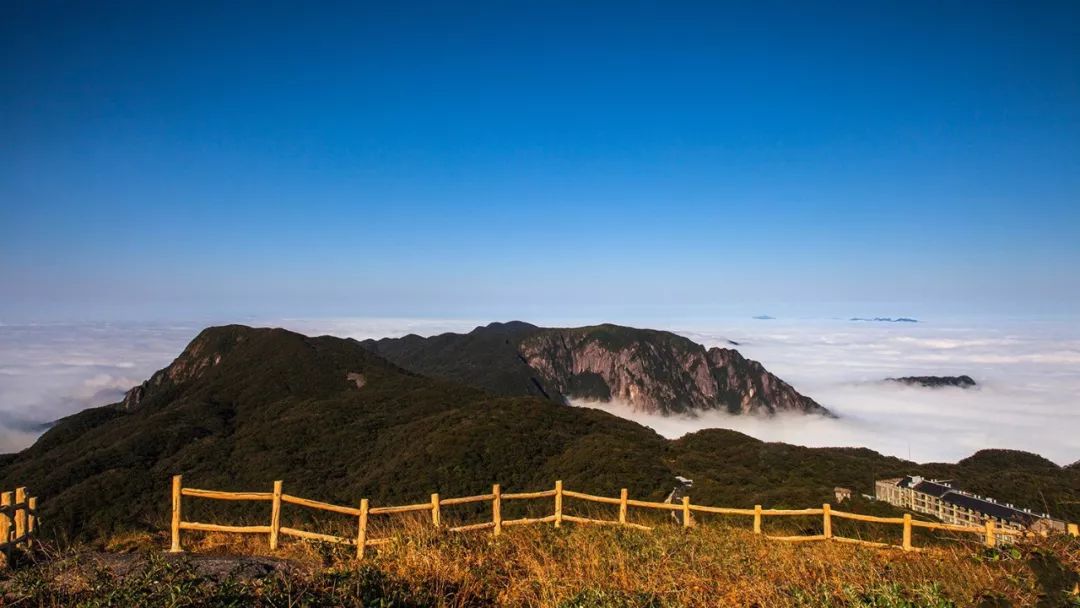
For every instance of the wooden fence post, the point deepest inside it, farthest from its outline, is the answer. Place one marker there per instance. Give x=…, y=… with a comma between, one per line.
x=176, y=481
x=558, y=503
x=20, y=513
x=275, y=516
x=907, y=532
x=5, y=525
x=1074, y=529
x=31, y=519
x=361, y=534
x=18, y=516
x=496, y=508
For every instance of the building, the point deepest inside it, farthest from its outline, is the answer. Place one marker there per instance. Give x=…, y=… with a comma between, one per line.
x=842, y=494
x=953, y=506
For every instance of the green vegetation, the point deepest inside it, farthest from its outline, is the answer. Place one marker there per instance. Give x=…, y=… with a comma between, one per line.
x=486, y=358
x=617, y=337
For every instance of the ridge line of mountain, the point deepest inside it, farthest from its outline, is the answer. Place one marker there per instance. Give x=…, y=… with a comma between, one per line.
x=650, y=370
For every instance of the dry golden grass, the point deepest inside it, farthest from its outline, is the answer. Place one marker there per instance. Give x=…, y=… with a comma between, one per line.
x=708, y=565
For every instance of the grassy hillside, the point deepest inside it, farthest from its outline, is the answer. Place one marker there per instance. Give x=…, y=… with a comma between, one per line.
x=242, y=407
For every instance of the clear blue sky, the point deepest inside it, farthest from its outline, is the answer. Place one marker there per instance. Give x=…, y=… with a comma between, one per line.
x=519, y=159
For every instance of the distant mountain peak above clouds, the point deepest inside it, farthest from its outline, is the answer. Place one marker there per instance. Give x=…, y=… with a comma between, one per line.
x=508, y=326
x=963, y=381
x=885, y=319
x=652, y=371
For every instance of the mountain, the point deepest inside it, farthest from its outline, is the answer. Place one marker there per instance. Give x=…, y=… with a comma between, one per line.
x=886, y=319
x=241, y=407
x=935, y=381
x=649, y=370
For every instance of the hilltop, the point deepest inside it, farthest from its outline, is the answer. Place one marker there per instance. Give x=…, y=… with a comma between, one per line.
x=243, y=406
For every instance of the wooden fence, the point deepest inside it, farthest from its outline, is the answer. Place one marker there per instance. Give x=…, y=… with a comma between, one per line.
x=18, y=519
x=276, y=497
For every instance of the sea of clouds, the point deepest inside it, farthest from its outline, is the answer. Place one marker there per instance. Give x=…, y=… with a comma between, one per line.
x=1028, y=394
x=1028, y=374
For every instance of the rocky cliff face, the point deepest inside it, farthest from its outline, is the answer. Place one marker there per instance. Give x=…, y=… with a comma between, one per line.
x=747, y=383
x=656, y=372
x=203, y=353
x=651, y=371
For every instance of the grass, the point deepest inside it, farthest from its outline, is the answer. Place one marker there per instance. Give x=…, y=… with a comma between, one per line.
x=575, y=566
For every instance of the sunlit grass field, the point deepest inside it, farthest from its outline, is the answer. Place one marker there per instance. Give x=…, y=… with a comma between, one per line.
x=707, y=565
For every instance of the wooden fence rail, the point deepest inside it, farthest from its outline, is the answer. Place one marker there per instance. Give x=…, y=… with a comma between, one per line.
x=988, y=533
x=18, y=519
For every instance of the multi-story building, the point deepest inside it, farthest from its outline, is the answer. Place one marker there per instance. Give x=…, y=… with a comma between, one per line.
x=953, y=506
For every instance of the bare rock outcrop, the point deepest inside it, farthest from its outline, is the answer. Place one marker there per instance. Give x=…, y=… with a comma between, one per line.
x=203, y=353
x=657, y=372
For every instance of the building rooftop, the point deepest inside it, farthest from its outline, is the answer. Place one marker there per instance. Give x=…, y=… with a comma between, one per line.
x=993, y=509
x=943, y=490
x=933, y=488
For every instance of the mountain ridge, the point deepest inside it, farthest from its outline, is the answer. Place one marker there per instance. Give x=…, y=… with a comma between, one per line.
x=651, y=370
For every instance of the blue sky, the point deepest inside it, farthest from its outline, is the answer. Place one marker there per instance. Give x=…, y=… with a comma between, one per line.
x=536, y=159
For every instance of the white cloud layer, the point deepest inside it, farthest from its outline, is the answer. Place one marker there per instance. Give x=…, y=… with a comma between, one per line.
x=48, y=371
x=1028, y=396
x=1028, y=374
